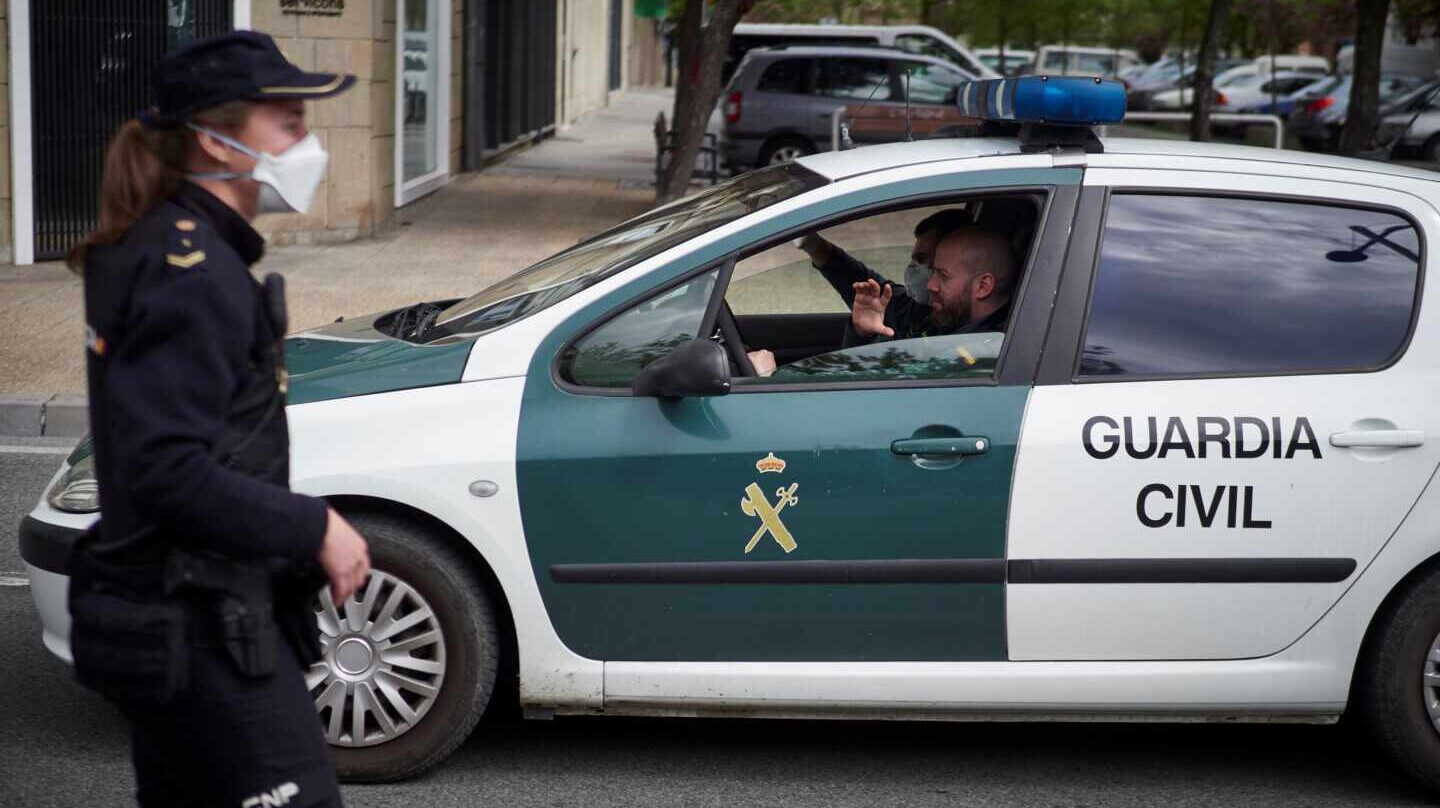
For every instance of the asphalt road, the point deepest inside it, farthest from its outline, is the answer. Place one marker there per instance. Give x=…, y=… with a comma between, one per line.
x=62, y=746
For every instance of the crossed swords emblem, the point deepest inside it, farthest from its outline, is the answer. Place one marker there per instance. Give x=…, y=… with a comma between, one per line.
x=756, y=503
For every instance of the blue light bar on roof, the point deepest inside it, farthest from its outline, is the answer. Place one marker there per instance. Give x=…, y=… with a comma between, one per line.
x=1059, y=100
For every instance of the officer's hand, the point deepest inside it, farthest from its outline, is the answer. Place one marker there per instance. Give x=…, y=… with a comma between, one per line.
x=764, y=362
x=344, y=556
x=868, y=314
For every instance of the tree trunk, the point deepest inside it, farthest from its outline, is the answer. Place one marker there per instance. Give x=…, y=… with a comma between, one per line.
x=1203, y=93
x=1364, y=110
x=687, y=38
x=698, y=88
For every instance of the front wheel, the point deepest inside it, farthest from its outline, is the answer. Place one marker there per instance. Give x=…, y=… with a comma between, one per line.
x=409, y=661
x=1398, y=690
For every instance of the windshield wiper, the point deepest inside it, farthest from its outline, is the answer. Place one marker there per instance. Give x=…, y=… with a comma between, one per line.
x=411, y=322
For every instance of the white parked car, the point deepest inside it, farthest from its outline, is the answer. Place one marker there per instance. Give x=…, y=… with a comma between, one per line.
x=1237, y=88
x=1189, y=479
x=1080, y=60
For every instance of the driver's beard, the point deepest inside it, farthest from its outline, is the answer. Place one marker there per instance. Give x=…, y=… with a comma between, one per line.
x=953, y=313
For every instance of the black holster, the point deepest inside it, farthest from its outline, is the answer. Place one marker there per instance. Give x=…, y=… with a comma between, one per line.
x=240, y=598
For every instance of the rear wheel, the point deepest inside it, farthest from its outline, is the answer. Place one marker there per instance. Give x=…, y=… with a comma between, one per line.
x=409, y=661
x=1398, y=691
x=784, y=149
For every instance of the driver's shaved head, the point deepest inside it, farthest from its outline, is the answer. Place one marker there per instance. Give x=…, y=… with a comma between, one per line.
x=973, y=250
x=972, y=277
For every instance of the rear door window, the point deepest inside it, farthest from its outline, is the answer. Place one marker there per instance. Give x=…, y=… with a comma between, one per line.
x=1196, y=286
x=855, y=78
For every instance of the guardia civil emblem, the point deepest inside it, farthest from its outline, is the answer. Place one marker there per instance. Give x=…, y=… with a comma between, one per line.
x=757, y=504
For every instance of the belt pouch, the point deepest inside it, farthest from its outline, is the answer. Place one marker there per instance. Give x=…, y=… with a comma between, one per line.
x=128, y=650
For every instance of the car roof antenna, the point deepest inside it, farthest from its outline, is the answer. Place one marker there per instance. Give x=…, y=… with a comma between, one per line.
x=908, y=134
x=1420, y=108
x=845, y=142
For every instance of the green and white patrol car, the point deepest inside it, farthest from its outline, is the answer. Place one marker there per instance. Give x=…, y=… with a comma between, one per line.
x=1187, y=482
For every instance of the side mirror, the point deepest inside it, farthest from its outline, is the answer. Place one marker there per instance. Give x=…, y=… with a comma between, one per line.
x=695, y=368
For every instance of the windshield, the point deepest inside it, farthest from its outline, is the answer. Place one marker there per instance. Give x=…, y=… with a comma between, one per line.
x=588, y=262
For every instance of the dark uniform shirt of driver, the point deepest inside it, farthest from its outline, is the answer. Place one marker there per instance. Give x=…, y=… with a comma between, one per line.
x=908, y=318
x=177, y=331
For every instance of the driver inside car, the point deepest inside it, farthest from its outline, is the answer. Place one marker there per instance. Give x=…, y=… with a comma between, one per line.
x=907, y=312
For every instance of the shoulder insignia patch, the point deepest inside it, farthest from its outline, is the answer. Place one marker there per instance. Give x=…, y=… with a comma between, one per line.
x=185, y=225
x=185, y=261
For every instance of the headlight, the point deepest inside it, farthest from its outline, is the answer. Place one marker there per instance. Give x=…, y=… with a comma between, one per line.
x=76, y=491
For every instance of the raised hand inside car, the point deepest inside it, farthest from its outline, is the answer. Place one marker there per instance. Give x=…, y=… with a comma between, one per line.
x=868, y=313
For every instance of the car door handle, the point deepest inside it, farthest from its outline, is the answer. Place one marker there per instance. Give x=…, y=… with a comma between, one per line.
x=972, y=445
x=1389, y=438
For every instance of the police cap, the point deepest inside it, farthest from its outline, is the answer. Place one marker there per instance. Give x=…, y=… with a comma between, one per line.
x=230, y=67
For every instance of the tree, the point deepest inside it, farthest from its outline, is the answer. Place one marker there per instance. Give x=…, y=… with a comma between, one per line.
x=1204, y=94
x=1364, y=110
x=703, y=48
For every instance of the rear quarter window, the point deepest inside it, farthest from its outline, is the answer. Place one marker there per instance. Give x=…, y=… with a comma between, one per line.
x=785, y=76
x=1195, y=286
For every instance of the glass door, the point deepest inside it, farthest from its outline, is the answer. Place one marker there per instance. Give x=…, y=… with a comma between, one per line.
x=422, y=99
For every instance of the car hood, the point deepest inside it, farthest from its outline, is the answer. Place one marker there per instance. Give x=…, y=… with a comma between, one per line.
x=351, y=358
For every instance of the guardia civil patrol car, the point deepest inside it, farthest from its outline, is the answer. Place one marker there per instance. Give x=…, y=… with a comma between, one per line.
x=1188, y=480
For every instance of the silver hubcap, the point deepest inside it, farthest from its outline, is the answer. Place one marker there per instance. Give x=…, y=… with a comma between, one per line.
x=383, y=665
x=1430, y=683
x=785, y=154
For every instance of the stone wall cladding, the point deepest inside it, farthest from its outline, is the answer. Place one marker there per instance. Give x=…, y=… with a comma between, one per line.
x=357, y=127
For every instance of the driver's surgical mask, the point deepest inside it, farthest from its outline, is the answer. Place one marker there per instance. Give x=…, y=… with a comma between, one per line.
x=288, y=180
x=917, y=278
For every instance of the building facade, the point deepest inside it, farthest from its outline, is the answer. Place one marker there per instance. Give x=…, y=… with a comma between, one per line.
x=443, y=86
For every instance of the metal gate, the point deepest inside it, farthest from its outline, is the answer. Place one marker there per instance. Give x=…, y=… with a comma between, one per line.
x=617, y=20
x=520, y=80
x=90, y=63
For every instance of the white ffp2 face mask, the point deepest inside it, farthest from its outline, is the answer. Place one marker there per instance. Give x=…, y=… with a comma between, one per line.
x=288, y=180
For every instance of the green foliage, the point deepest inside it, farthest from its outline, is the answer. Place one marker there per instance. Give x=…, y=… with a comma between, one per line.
x=1151, y=27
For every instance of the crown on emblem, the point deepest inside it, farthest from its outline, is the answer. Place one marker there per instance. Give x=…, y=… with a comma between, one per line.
x=770, y=463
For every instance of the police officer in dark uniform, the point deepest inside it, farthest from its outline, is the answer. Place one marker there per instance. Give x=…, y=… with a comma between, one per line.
x=192, y=602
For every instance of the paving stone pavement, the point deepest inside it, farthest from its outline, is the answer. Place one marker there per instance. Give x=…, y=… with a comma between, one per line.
x=479, y=229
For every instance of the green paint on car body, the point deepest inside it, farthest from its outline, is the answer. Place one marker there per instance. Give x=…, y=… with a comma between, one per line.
x=351, y=358
x=616, y=479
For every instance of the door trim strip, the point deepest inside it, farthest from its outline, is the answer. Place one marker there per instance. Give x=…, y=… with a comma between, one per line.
x=1180, y=570
x=880, y=571
x=968, y=571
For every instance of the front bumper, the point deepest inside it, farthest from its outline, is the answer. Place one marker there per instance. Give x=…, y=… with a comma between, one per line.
x=45, y=548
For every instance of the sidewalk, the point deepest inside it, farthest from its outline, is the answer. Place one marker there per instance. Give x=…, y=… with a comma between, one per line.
x=482, y=227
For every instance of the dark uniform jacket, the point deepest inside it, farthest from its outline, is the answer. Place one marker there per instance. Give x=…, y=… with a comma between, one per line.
x=187, y=392
x=909, y=319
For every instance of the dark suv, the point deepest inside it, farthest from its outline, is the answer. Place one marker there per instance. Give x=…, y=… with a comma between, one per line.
x=780, y=103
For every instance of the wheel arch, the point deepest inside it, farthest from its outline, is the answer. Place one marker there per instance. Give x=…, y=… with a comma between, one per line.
x=506, y=695
x=1388, y=605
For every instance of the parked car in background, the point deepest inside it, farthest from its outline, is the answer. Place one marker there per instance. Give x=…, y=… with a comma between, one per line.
x=1234, y=89
x=1317, y=122
x=780, y=103
x=1299, y=62
x=1076, y=60
x=1420, y=139
x=1284, y=105
x=921, y=39
x=1146, y=91
x=1014, y=61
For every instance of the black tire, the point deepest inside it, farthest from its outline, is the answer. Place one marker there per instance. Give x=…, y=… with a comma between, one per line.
x=1390, y=692
x=777, y=147
x=466, y=619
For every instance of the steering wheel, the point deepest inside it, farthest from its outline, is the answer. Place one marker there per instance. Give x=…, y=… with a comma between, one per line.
x=730, y=338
